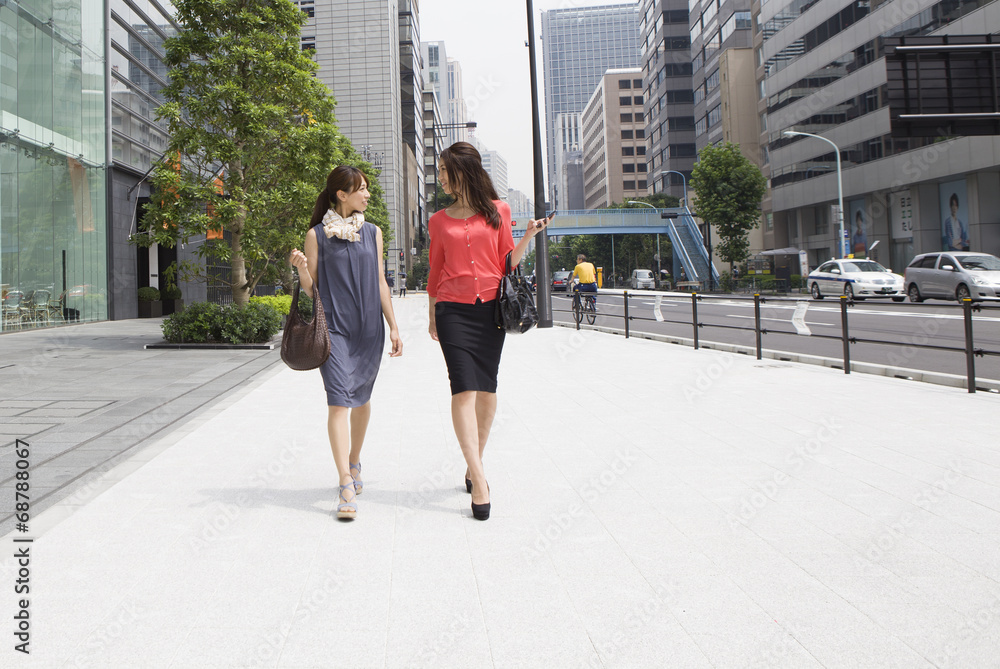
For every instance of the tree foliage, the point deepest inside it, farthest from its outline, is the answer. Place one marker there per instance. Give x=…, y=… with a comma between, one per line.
x=729, y=189
x=253, y=137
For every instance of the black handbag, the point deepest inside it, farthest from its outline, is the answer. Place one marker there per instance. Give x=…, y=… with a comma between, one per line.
x=305, y=346
x=515, y=306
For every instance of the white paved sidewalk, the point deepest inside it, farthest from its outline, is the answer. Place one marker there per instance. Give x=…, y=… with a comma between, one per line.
x=653, y=506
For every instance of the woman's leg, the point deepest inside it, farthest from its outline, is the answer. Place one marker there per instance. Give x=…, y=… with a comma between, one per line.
x=340, y=442
x=486, y=409
x=359, y=427
x=463, y=415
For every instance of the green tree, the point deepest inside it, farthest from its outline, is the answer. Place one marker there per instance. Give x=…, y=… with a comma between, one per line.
x=253, y=136
x=441, y=200
x=728, y=190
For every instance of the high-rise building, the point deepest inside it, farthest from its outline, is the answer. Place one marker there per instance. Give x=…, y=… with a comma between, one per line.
x=496, y=166
x=578, y=46
x=666, y=73
x=569, y=161
x=357, y=46
x=54, y=158
x=614, y=167
x=822, y=70
x=435, y=63
x=519, y=202
x=723, y=75
x=411, y=73
x=458, y=109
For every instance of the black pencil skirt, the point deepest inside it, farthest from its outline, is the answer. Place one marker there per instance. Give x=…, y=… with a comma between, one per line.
x=471, y=343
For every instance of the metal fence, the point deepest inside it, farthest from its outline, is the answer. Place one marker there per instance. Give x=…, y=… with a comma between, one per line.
x=968, y=307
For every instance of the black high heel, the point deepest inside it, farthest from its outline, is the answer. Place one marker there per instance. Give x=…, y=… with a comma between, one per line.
x=480, y=511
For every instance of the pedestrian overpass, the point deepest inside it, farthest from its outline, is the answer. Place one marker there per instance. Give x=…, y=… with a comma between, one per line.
x=686, y=238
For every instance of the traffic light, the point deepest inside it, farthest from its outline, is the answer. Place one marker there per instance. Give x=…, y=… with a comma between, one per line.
x=400, y=256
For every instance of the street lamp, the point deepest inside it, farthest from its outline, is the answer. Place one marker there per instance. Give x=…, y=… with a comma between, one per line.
x=684, y=181
x=840, y=186
x=659, y=276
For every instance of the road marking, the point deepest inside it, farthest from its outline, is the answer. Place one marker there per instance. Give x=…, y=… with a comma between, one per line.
x=782, y=320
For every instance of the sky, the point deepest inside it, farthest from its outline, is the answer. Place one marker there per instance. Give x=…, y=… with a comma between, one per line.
x=488, y=38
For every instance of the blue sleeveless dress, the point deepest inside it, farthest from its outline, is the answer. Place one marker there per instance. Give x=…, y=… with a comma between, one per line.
x=348, y=276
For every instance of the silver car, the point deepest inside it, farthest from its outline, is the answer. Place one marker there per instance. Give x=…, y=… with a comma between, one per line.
x=953, y=275
x=642, y=278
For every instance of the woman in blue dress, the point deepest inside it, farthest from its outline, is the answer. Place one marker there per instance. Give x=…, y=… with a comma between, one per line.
x=342, y=264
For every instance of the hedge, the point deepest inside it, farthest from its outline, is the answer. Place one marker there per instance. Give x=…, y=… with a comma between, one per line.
x=204, y=322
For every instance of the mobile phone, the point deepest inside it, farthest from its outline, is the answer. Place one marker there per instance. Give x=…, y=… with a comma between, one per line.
x=552, y=215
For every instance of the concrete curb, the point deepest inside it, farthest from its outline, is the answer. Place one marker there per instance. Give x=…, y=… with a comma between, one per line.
x=939, y=378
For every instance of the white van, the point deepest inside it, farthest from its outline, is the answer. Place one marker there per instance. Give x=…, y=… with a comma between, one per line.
x=642, y=278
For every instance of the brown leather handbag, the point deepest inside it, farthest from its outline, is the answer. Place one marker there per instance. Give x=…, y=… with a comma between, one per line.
x=305, y=345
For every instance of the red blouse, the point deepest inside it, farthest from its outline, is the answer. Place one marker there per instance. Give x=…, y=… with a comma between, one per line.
x=468, y=256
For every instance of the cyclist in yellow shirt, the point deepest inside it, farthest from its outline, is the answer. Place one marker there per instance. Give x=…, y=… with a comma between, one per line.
x=587, y=274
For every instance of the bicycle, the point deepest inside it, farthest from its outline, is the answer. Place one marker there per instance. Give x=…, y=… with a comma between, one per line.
x=585, y=307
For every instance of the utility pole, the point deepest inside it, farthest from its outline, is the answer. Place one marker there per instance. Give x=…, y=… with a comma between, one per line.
x=542, y=273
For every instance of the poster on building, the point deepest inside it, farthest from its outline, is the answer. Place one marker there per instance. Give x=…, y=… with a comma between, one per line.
x=901, y=214
x=859, y=224
x=954, y=216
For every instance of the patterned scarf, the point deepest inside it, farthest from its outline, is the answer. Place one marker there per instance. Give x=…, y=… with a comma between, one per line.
x=335, y=225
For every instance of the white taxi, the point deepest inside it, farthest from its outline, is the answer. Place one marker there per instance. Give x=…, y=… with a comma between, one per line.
x=856, y=278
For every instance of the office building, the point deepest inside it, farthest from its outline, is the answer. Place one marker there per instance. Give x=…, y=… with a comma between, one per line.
x=569, y=161
x=724, y=83
x=496, y=166
x=358, y=52
x=821, y=70
x=519, y=202
x=435, y=71
x=578, y=46
x=614, y=161
x=411, y=85
x=668, y=93
x=458, y=108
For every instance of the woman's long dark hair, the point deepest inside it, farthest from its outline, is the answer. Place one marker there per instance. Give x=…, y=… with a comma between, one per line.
x=345, y=178
x=465, y=170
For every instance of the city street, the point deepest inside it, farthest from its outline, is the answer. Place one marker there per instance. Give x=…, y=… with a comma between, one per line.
x=935, y=323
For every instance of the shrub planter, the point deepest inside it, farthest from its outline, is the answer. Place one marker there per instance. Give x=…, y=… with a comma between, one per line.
x=150, y=309
x=172, y=306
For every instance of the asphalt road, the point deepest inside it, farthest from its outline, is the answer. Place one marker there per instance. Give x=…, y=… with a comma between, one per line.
x=902, y=326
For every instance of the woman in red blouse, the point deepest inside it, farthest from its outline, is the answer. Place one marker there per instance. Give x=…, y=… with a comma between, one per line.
x=470, y=241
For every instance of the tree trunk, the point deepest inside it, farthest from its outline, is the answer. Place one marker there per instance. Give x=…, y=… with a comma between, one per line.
x=287, y=279
x=238, y=276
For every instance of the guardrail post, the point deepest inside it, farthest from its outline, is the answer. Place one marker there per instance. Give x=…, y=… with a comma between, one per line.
x=756, y=322
x=970, y=355
x=843, y=335
x=626, y=314
x=694, y=317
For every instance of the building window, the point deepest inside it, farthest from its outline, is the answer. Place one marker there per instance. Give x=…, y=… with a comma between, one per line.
x=642, y=167
x=626, y=134
x=625, y=101
x=628, y=185
x=640, y=133
x=638, y=100
x=640, y=150
x=626, y=118
x=628, y=168
x=624, y=83
x=642, y=185
x=628, y=151
x=714, y=115
x=637, y=83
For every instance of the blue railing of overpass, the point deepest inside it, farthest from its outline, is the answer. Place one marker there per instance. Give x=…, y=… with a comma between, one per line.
x=692, y=256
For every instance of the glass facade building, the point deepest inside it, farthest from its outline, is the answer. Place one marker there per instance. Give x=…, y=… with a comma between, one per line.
x=53, y=162
x=578, y=46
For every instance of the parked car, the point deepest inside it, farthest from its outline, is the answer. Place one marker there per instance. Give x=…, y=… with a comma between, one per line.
x=642, y=278
x=560, y=281
x=856, y=278
x=953, y=276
